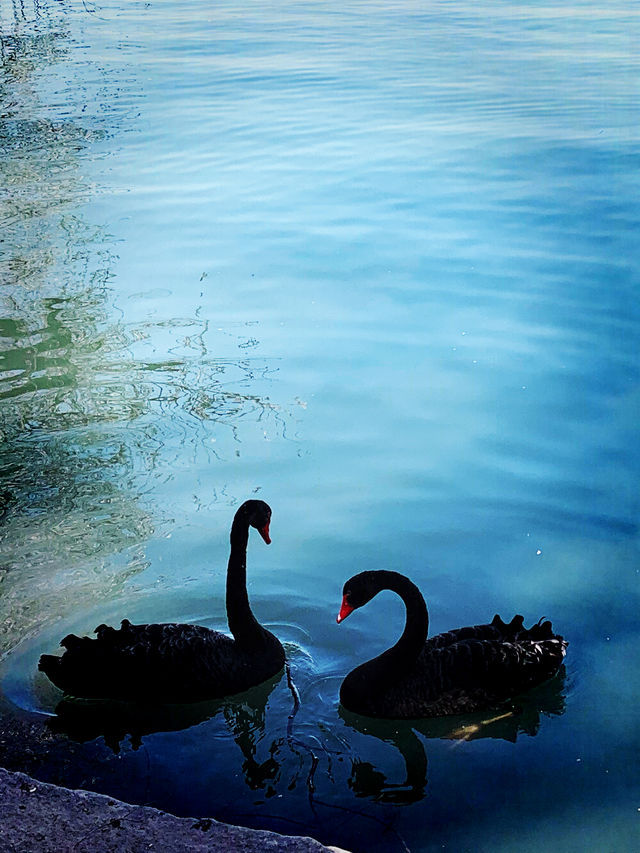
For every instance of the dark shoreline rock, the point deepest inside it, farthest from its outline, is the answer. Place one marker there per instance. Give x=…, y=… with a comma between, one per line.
x=36, y=817
x=41, y=817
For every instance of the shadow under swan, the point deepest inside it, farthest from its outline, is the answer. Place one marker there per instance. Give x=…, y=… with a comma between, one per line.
x=84, y=720
x=521, y=716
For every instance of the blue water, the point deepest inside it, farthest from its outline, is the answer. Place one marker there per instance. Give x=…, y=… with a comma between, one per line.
x=378, y=265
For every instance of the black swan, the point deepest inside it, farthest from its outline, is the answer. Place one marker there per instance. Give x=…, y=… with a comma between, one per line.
x=173, y=662
x=469, y=669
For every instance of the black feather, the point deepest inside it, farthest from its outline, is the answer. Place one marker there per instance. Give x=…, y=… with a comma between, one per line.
x=468, y=669
x=175, y=662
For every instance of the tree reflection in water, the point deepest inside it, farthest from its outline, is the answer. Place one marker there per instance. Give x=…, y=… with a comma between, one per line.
x=87, y=417
x=521, y=716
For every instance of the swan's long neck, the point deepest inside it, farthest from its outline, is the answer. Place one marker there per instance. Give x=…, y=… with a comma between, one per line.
x=242, y=623
x=391, y=665
x=405, y=652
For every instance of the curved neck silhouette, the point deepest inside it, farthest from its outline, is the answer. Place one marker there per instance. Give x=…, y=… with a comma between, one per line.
x=242, y=623
x=396, y=661
x=468, y=669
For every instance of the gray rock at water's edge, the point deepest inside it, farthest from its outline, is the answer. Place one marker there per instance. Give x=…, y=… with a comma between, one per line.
x=36, y=817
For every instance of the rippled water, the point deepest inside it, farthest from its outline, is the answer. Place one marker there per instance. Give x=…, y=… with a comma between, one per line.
x=377, y=264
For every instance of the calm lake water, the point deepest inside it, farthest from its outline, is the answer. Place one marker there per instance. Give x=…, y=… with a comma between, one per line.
x=377, y=264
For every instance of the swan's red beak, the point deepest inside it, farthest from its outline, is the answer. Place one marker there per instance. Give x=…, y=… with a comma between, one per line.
x=264, y=532
x=345, y=610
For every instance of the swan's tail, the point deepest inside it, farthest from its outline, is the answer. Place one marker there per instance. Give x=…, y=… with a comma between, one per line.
x=51, y=665
x=80, y=668
x=515, y=630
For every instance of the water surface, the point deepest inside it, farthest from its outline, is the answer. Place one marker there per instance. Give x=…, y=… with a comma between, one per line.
x=376, y=265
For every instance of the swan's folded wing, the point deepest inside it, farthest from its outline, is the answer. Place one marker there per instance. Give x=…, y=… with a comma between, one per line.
x=139, y=661
x=501, y=668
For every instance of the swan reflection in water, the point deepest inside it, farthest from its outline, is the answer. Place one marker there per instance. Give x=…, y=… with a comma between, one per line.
x=522, y=716
x=84, y=720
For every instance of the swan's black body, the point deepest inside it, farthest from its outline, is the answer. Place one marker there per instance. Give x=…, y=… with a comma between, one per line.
x=460, y=671
x=174, y=662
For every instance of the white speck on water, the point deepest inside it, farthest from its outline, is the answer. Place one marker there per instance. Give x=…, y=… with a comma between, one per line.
x=538, y=552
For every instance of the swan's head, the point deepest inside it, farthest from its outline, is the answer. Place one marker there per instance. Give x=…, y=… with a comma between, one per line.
x=358, y=591
x=258, y=514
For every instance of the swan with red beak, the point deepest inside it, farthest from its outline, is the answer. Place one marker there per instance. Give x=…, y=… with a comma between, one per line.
x=174, y=662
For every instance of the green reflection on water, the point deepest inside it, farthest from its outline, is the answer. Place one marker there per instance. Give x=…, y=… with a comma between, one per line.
x=68, y=502
x=85, y=419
